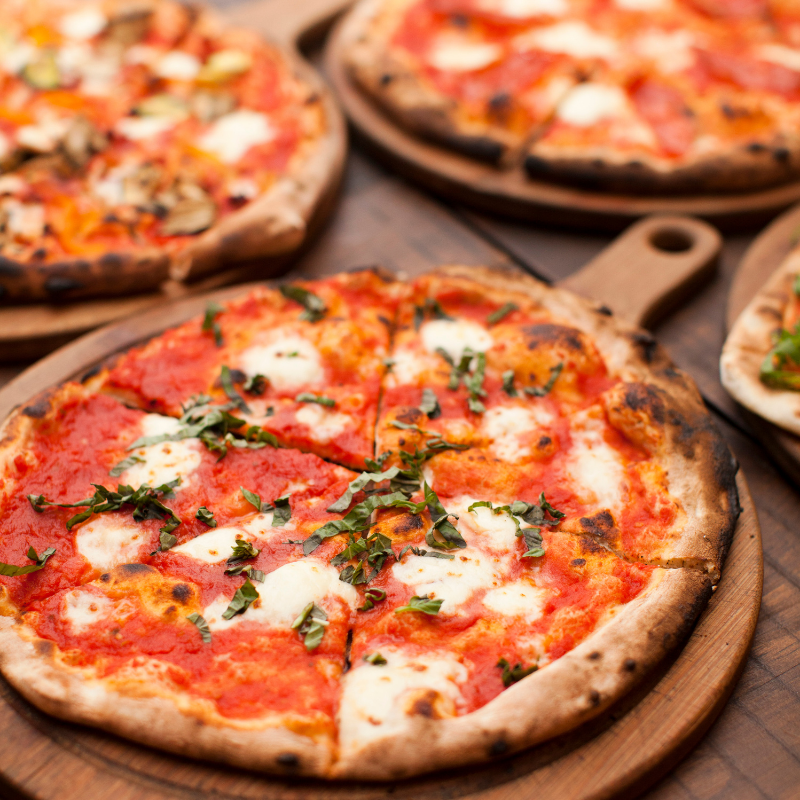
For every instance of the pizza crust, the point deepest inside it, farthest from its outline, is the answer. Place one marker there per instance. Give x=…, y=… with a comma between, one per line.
x=748, y=343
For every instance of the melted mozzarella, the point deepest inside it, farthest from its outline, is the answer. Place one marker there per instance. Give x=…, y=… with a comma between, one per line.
x=520, y=9
x=504, y=425
x=165, y=461
x=106, y=541
x=454, y=336
x=376, y=699
x=85, y=23
x=595, y=467
x=82, y=609
x=325, y=424
x=178, y=66
x=485, y=528
x=573, y=38
x=44, y=136
x=670, y=50
x=518, y=599
x=136, y=128
x=451, y=581
x=454, y=53
x=232, y=135
x=589, y=103
x=641, y=5
x=25, y=220
x=285, y=593
x=780, y=54
x=407, y=367
x=18, y=57
x=284, y=371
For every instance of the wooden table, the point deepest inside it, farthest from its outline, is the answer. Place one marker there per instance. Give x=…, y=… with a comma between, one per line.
x=753, y=750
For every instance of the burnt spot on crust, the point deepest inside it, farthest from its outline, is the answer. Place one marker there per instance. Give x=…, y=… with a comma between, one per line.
x=578, y=562
x=629, y=665
x=288, y=760
x=385, y=79
x=9, y=268
x=591, y=546
x=105, y=577
x=643, y=397
x=425, y=706
x=605, y=311
x=600, y=525
x=647, y=345
x=498, y=747
x=90, y=373
x=594, y=697
x=481, y=148
x=781, y=155
x=37, y=410
x=130, y=570
x=410, y=416
x=595, y=655
x=756, y=147
x=408, y=523
x=60, y=285
x=384, y=320
x=548, y=335
x=181, y=592
x=44, y=647
x=112, y=261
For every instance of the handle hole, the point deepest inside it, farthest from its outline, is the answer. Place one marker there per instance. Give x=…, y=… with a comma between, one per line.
x=671, y=240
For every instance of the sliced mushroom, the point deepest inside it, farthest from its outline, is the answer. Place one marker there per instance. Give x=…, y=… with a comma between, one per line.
x=224, y=65
x=139, y=187
x=162, y=105
x=190, y=215
x=208, y=106
x=81, y=141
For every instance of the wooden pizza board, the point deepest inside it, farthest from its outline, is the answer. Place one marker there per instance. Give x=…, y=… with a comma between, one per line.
x=762, y=258
x=28, y=331
x=620, y=754
x=509, y=191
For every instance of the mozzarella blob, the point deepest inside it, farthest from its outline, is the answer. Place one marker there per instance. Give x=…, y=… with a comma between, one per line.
x=165, y=461
x=85, y=23
x=590, y=103
x=137, y=128
x=232, y=135
x=289, y=362
x=522, y=9
x=505, y=425
x=483, y=527
x=82, y=609
x=108, y=540
x=178, y=66
x=453, y=53
x=325, y=424
x=518, y=599
x=573, y=38
x=454, y=336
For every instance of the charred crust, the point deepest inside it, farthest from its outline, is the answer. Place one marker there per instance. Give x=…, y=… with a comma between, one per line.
x=410, y=416
x=37, y=410
x=550, y=334
x=60, y=285
x=594, y=655
x=756, y=147
x=90, y=373
x=112, y=261
x=594, y=697
x=481, y=148
x=129, y=570
x=425, y=706
x=105, y=577
x=498, y=747
x=44, y=647
x=578, y=562
x=605, y=311
x=181, y=592
x=408, y=523
x=629, y=665
x=385, y=79
x=384, y=320
x=288, y=760
x=646, y=344
x=643, y=397
x=600, y=525
x=9, y=268
x=781, y=155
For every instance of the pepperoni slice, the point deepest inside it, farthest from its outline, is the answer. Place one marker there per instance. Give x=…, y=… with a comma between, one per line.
x=670, y=118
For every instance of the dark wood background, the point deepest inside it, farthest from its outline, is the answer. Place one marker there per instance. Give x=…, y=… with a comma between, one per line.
x=753, y=749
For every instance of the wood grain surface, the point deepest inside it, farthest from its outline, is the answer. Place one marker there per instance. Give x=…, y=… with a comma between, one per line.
x=509, y=190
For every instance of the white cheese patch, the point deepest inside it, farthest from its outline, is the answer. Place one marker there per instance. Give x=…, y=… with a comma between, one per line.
x=242, y=187
x=453, y=53
x=518, y=599
x=780, y=54
x=106, y=541
x=451, y=581
x=375, y=698
x=325, y=424
x=178, y=66
x=25, y=220
x=641, y=5
x=44, y=136
x=285, y=593
x=10, y=184
x=595, y=467
x=232, y=135
x=505, y=425
x=212, y=547
x=82, y=609
x=589, y=103
x=573, y=38
x=136, y=128
x=454, y=336
x=85, y=23
x=521, y=9
x=408, y=366
x=18, y=57
x=482, y=527
x=671, y=51
x=165, y=461
x=289, y=362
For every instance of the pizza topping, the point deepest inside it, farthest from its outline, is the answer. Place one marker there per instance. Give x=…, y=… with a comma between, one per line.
x=204, y=515
x=430, y=404
x=572, y=37
x=12, y=570
x=285, y=372
x=455, y=337
x=308, y=397
x=515, y=673
x=215, y=546
x=372, y=596
x=211, y=323
x=244, y=597
x=501, y=313
x=512, y=429
x=311, y=624
x=325, y=425
x=450, y=537
x=231, y=136
x=517, y=599
x=83, y=608
x=202, y=626
x=84, y=23
x=110, y=540
x=364, y=481
x=780, y=369
x=590, y=103
x=456, y=53
x=313, y=304
x=225, y=65
x=376, y=659
x=422, y=604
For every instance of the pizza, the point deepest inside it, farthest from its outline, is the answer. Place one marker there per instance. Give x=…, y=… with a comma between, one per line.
x=760, y=362
x=625, y=95
x=324, y=523
x=141, y=140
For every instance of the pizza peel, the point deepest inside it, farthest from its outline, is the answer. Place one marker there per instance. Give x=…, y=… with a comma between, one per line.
x=509, y=191
x=761, y=259
x=647, y=270
x=28, y=331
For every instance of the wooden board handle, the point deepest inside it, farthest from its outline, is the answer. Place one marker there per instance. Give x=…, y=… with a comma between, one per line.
x=288, y=22
x=650, y=267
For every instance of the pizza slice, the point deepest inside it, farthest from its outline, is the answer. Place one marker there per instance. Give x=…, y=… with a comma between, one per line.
x=304, y=364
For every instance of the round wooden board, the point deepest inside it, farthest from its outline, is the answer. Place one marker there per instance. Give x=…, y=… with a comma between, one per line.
x=762, y=258
x=510, y=191
x=620, y=754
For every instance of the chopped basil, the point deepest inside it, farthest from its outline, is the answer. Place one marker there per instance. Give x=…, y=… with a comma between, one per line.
x=202, y=626
x=377, y=547
x=166, y=541
x=422, y=552
x=244, y=597
x=430, y=404
x=226, y=380
x=246, y=569
x=451, y=538
x=376, y=659
x=242, y=551
x=210, y=323
x=12, y=570
x=423, y=604
x=126, y=463
x=314, y=305
x=307, y=397
x=311, y=625
x=372, y=596
x=376, y=464
x=432, y=309
x=204, y=515
x=354, y=548
x=361, y=482
x=538, y=391
x=474, y=385
x=251, y=497
x=256, y=384
x=785, y=352
x=508, y=383
x=501, y=313
x=515, y=673
x=281, y=511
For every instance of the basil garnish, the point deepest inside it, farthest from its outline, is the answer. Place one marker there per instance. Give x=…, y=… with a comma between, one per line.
x=430, y=404
x=376, y=659
x=785, y=352
x=12, y=570
x=257, y=384
x=204, y=515
x=202, y=626
x=314, y=305
x=432, y=309
x=537, y=391
x=423, y=604
x=372, y=596
x=361, y=482
x=501, y=313
x=126, y=463
x=451, y=538
x=245, y=595
x=311, y=625
x=508, y=383
x=307, y=397
x=422, y=552
x=251, y=497
x=473, y=381
x=515, y=673
x=210, y=323
x=226, y=381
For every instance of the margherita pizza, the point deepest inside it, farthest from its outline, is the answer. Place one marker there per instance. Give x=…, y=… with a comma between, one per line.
x=141, y=139
x=324, y=524
x=630, y=95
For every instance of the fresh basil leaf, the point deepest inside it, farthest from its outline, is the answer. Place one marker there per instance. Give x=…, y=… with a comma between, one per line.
x=361, y=482
x=474, y=385
x=204, y=515
x=537, y=391
x=226, y=381
x=307, y=397
x=256, y=384
x=166, y=540
x=202, y=626
x=311, y=625
x=508, y=383
x=451, y=538
x=354, y=548
x=242, y=550
x=423, y=604
x=251, y=497
x=515, y=673
x=244, y=597
x=554, y=512
x=376, y=659
x=39, y=562
x=353, y=575
x=501, y=313
x=314, y=305
x=422, y=552
x=430, y=404
x=126, y=463
x=372, y=596
x=376, y=465
x=281, y=511
x=533, y=541
x=210, y=323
